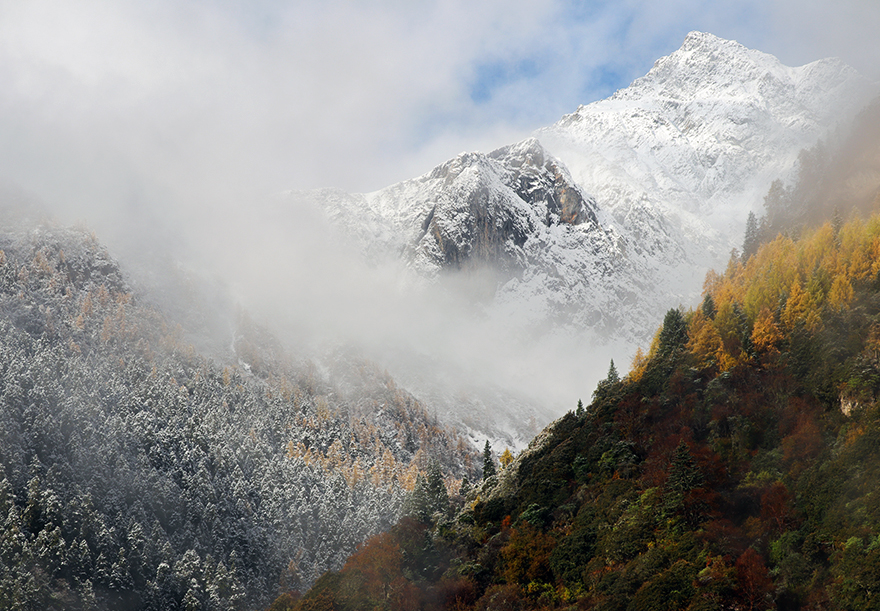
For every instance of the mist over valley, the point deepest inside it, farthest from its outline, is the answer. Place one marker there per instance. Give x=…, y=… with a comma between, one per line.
x=263, y=328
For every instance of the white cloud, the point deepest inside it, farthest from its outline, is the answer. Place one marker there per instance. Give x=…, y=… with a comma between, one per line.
x=206, y=98
x=185, y=114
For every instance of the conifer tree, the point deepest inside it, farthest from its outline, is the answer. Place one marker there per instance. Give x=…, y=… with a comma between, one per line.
x=752, y=238
x=684, y=475
x=673, y=334
x=776, y=202
x=613, y=376
x=603, y=386
x=435, y=488
x=506, y=458
x=418, y=504
x=708, y=307
x=488, y=462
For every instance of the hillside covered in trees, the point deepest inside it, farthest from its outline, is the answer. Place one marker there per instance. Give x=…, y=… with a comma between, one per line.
x=137, y=473
x=737, y=466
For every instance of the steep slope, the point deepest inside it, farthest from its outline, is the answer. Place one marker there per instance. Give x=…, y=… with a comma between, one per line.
x=702, y=134
x=735, y=467
x=514, y=219
x=136, y=473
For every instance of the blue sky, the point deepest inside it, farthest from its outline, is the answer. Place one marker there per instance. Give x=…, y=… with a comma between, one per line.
x=205, y=102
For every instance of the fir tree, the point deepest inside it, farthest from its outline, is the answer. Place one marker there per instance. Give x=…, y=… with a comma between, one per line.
x=613, y=377
x=777, y=203
x=488, y=462
x=708, y=307
x=752, y=238
x=435, y=488
x=602, y=387
x=673, y=335
x=684, y=475
x=417, y=503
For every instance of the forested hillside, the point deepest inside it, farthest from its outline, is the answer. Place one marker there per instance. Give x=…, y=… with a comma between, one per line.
x=136, y=473
x=736, y=467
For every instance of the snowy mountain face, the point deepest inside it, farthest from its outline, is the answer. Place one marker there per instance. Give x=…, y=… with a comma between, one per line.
x=701, y=136
x=516, y=212
x=603, y=221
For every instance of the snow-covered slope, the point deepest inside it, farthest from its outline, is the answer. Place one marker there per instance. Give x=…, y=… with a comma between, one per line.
x=515, y=210
x=701, y=136
x=515, y=218
x=600, y=223
x=662, y=176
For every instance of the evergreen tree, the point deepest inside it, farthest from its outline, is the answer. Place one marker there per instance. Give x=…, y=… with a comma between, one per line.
x=777, y=203
x=435, y=488
x=684, y=474
x=613, y=377
x=708, y=307
x=417, y=504
x=673, y=335
x=603, y=386
x=752, y=238
x=488, y=462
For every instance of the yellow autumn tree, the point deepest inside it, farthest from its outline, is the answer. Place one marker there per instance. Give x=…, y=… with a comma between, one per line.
x=797, y=305
x=639, y=363
x=766, y=334
x=705, y=342
x=729, y=325
x=841, y=292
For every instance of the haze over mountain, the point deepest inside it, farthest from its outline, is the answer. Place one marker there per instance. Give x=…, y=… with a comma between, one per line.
x=736, y=466
x=137, y=471
x=160, y=449
x=582, y=236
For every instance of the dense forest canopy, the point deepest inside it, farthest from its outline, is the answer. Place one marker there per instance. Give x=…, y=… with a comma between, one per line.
x=137, y=473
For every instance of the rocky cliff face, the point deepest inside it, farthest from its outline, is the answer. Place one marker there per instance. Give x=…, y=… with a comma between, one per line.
x=485, y=207
x=474, y=210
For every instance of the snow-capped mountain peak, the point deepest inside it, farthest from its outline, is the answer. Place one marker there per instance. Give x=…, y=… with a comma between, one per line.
x=704, y=131
x=598, y=224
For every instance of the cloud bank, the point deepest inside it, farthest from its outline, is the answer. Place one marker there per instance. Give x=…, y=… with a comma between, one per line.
x=180, y=120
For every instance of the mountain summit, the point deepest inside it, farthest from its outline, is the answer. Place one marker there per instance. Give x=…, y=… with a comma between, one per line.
x=705, y=130
x=601, y=222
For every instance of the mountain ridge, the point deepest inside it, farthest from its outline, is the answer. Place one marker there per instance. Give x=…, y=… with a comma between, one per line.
x=667, y=168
